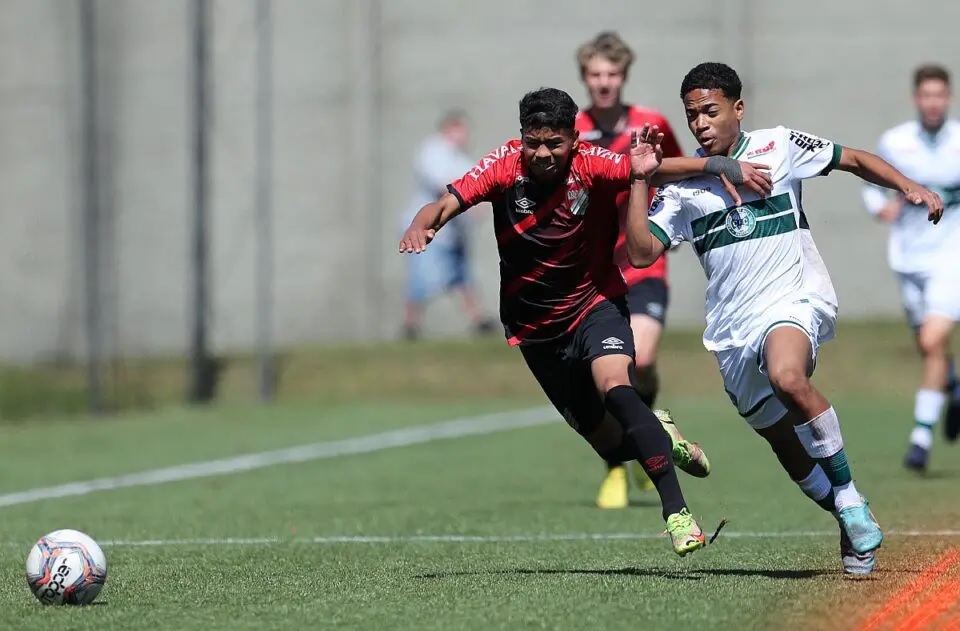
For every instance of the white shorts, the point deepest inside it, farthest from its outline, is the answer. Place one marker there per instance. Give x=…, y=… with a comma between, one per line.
x=936, y=292
x=743, y=370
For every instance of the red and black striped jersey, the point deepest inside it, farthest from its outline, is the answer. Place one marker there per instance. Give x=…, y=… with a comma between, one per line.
x=556, y=243
x=619, y=141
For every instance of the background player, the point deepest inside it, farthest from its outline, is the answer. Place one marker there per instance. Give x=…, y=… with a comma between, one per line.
x=770, y=300
x=561, y=295
x=925, y=259
x=608, y=121
x=441, y=157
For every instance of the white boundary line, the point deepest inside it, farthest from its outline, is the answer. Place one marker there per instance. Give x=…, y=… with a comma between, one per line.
x=459, y=539
x=418, y=435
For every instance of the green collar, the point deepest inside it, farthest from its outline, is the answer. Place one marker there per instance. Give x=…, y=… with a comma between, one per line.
x=740, y=146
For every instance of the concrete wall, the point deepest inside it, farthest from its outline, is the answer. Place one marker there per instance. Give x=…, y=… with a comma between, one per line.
x=357, y=84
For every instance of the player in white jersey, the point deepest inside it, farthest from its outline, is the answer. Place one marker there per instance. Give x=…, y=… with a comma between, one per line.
x=925, y=259
x=770, y=301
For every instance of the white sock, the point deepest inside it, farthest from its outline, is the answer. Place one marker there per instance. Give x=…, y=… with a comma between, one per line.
x=927, y=409
x=821, y=439
x=816, y=486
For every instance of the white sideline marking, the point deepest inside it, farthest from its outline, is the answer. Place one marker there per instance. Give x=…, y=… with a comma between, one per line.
x=457, y=428
x=524, y=538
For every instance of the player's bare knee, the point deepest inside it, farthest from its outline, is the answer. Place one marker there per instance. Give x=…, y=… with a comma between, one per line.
x=645, y=358
x=791, y=383
x=932, y=343
x=608, y=382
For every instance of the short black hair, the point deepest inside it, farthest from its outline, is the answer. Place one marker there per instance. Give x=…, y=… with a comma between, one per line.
x=548, y=108
x=930, y=72
x=713, y=76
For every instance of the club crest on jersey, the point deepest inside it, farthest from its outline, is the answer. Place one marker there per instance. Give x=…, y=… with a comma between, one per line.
x=740, y=222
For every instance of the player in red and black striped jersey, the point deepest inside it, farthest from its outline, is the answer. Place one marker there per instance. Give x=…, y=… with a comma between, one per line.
x=562, y=297
x=604, y=65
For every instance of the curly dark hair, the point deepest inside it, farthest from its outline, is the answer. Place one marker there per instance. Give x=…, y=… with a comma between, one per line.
x=713, y=76
x=547, y=108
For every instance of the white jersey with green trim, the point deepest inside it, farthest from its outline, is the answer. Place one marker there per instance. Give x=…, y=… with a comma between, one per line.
x=933, y=161
x=761, y=253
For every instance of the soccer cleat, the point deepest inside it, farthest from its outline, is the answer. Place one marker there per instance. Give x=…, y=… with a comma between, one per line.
x=916, y=458
x=689, y=457
x=853, y=561
x=640, y=477
x=861, y=527
x=685, y=533
x=613, y=490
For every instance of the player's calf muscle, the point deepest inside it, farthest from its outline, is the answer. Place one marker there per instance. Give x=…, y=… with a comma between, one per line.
x=786, y=445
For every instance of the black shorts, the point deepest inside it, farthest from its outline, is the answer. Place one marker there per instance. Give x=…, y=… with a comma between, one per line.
x=562, y=367
x=649, y=297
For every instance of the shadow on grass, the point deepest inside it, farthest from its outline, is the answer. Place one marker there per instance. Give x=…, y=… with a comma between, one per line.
x=680, y=575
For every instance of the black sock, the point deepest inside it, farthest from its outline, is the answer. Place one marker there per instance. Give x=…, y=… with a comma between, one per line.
x=828, y=502
x=648, y=398
x=644, y=436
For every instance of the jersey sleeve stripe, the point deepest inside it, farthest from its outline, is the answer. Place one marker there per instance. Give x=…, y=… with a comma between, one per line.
x=659, y=233
x=453, y=191
x=835, y=160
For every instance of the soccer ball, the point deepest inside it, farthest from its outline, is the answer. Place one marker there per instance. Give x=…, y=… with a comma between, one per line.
x=66, y=567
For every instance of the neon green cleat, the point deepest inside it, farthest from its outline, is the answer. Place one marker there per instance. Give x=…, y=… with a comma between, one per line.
x=685, y=533
x=689, y=457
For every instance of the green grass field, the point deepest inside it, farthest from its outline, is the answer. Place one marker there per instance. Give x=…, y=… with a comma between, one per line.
x=491, y=531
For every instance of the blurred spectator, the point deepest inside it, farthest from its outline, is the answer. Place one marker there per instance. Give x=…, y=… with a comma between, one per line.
x=445, y=265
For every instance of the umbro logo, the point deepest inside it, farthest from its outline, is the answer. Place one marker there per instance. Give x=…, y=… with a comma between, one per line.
x=525, y=205
x=612, y=344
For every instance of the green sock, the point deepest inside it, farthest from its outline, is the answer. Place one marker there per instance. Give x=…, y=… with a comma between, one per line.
x=836, y=468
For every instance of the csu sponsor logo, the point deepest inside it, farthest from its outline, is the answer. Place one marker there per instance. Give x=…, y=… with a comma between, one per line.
x=762, y=150
x=807, y=142
x=491, y=158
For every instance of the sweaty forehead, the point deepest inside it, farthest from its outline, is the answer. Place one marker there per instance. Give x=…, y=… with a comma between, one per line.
x=695, y=99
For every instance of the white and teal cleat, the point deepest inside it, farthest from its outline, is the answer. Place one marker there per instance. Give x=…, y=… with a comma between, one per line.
x=861, y=527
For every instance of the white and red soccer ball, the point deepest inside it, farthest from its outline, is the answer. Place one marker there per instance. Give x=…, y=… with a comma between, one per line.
x=66, y=567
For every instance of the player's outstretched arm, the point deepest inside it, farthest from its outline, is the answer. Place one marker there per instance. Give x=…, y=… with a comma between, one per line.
x=645, y=154
x=732, y=173
x=876, y=170
x=428, y=220
x=643, y=249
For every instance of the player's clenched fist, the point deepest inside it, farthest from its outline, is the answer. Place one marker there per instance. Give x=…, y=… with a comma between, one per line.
x=415, y=239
